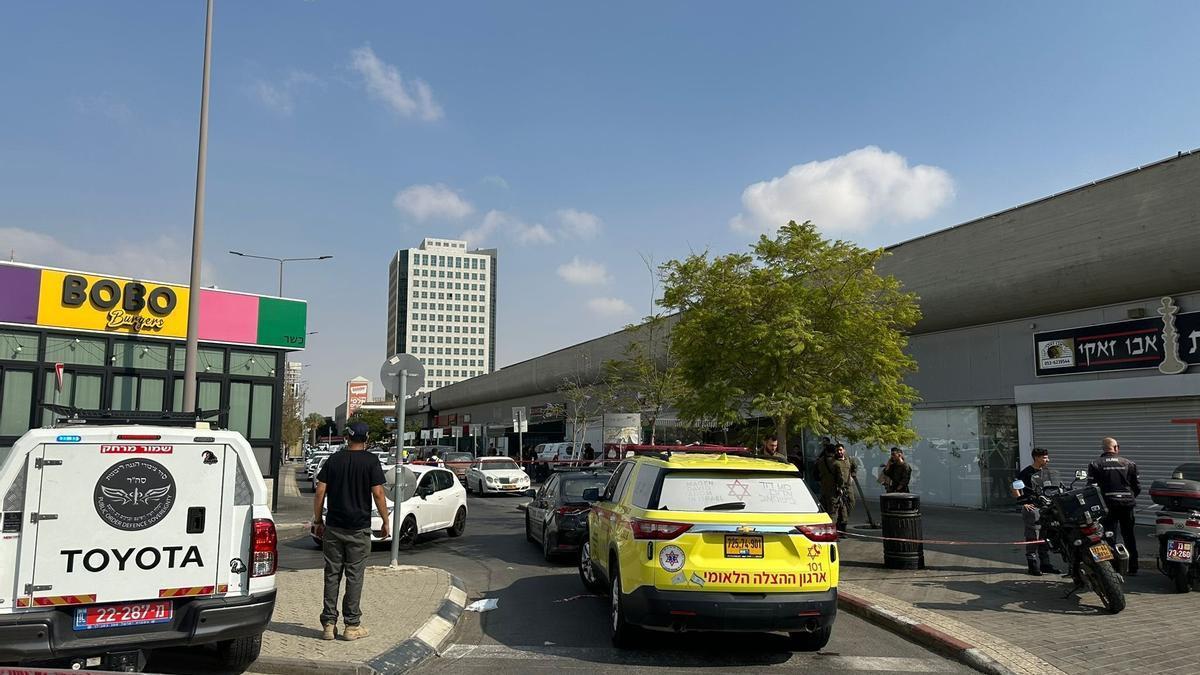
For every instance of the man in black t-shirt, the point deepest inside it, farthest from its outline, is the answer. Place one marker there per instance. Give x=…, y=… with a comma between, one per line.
x=1035, y=477
x=351, y=479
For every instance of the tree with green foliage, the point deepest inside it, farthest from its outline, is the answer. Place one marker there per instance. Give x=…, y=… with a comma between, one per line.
x=292, y=427
x=801, y=329
x=375, y=423
x=312, y=422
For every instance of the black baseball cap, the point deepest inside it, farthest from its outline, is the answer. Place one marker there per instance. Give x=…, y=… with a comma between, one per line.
x=358, y=431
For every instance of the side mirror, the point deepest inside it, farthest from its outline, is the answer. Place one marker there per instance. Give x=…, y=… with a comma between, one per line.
x=1081, y=475
x=424, y=491
x=591, y=495
x=531, y=492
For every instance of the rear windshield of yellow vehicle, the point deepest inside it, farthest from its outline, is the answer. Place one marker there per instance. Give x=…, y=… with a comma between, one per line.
x=752, y=491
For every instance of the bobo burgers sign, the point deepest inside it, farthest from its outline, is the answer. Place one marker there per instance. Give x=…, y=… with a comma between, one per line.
x=112, y=305
x=124, y=303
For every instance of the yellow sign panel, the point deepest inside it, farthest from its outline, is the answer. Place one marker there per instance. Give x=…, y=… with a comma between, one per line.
x=69, y=300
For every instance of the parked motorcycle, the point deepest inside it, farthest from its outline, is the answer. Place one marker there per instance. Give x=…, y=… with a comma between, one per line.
x=1178, y=528
x=1071, y=526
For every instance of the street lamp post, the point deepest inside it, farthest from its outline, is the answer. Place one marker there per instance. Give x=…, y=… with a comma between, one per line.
x=276, y=460
x=281, y=261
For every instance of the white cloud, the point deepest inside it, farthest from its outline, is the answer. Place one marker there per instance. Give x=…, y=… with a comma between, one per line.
x=280, y=97
x=383, y=82
x=847, y=194
x=171, y=260
x=583, y=272
x=609, y=307
x=499, y=222
x=425, y=202
x=495, y=181
x=103, y=105
x=579, y=224
x=532, y=234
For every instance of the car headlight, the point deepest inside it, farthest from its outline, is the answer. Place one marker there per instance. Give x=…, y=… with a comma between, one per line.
x=491, y=480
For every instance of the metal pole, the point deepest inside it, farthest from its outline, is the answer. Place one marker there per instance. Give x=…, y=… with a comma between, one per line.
x=399, y=453
x=277, y=463
x=193, y=315
x=281, y=278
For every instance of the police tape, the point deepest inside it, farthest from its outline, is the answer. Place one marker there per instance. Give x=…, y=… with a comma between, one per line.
x=946, y=542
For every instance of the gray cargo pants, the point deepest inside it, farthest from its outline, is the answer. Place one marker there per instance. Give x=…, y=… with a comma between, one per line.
x=345, y=554
x=1036, y=554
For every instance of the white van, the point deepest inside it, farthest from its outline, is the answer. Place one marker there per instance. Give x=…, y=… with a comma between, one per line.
x=119, y=539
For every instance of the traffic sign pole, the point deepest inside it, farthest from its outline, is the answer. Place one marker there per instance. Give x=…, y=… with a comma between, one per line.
x=397, y=470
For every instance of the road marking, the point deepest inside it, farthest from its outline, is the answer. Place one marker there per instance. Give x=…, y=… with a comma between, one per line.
x=611, y=655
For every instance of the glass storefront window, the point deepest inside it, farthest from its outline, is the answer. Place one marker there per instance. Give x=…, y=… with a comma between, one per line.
x=140, y=355
x=255, y=364
x=239, y=407
x=16, y=346
x=207, y=360
x=945, y=459
x=16, y=401
x=208, y=396
x=260, y=409
x=75, y=350
x=999, y=454
x=130, y=392
x=81, y=390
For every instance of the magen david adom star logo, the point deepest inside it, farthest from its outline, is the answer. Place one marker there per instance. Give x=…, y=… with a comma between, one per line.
x=134, y=494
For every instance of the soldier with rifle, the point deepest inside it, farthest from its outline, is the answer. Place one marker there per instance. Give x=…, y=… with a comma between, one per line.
x=837, y=485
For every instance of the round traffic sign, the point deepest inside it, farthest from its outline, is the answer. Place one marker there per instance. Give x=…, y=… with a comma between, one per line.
x=389, y=373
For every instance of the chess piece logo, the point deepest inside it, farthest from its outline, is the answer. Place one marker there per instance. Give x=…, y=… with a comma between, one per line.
x=1171, y=363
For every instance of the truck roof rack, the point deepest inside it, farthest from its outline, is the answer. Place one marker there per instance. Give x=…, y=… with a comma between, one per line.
x=71, y=415
x=665, y=451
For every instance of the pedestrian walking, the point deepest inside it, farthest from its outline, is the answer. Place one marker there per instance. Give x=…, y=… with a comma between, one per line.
x=589, y=453
x=351, y=479
x=1032, y=480
x=837, y=486
x=1117, y=478
x=770, y=449
x=897, y=471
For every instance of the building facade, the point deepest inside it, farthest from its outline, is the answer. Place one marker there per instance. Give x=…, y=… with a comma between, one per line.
x=442, y=309
x=358, y=392
x=1052, y=324
x=120, y=343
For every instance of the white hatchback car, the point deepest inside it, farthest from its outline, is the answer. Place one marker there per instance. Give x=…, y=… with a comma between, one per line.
x=436, y=502
x=499, y=475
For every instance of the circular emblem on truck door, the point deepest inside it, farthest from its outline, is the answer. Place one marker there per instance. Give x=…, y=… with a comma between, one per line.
x=671, y=558
x=134, y=494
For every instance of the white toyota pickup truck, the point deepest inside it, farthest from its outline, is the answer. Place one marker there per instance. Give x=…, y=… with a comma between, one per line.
x=115, y=540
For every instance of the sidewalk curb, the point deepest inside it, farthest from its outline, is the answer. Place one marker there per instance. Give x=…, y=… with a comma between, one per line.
x=430, y=639
x=282, y=665
x=922, y=634
x=290, y=530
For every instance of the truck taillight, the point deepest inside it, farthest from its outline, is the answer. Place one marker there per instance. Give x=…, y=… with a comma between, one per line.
x=138, y=437
x=1191, y=523
x=1164, y=521
x=264, y=552
x=657, y=529
x=819, y=532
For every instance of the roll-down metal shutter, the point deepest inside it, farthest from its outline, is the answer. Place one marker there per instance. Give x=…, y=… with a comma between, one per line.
x=1151, y=432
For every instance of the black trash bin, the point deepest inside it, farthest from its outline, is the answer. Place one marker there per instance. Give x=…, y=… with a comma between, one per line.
x=901, y=516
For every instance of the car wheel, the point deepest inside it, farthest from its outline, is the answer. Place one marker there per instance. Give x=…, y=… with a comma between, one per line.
x=460, y=523
x=587, y=570
x=811, y=642
x=408, y=533
x=620, y=630
x=528, y=530
x=548, y=551
x=240, y=652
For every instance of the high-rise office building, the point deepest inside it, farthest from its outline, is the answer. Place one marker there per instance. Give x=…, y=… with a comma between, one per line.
x=442, y=309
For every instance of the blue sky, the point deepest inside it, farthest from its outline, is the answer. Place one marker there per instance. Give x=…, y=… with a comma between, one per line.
x=555, y=131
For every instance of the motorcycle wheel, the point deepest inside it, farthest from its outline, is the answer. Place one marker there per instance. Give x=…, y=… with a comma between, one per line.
x=1107, y=585
x=1181, y=578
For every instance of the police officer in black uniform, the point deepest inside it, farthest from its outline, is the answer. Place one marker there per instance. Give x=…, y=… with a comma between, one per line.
x=1117, y=478
x=1035, y=476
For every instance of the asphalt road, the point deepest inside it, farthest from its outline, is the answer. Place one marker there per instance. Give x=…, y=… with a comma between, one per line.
x=546, y=622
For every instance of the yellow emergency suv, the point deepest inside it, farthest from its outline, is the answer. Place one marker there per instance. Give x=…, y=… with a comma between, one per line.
x=705, y=538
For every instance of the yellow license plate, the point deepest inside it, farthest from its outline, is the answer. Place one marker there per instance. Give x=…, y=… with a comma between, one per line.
x=743, y=546
x=1101, y=552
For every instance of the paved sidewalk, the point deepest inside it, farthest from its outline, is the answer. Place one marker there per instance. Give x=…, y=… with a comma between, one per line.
x=982, y=596
x=399, y=606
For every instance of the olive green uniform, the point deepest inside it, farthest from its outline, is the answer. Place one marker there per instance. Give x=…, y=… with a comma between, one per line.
x=837, y=489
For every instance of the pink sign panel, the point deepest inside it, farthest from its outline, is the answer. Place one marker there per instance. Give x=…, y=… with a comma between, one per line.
x=228, y=317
